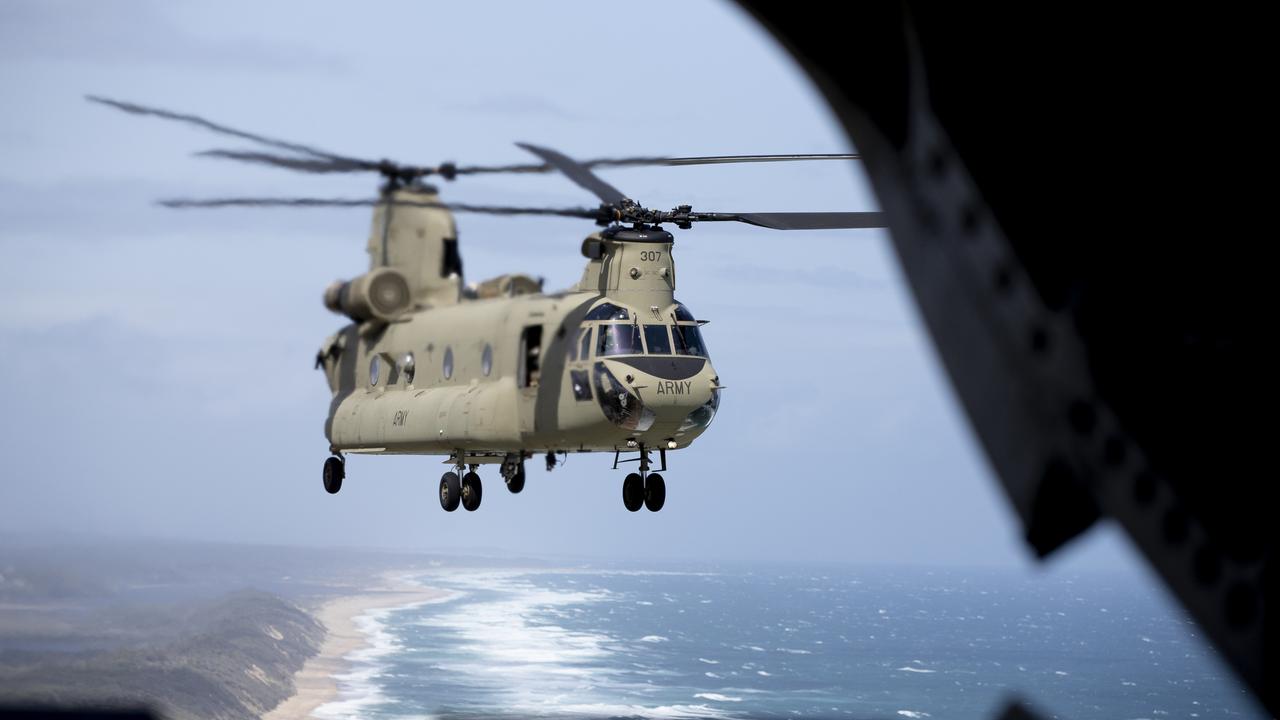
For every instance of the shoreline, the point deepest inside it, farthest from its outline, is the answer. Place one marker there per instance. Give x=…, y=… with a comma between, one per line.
x=315, y=684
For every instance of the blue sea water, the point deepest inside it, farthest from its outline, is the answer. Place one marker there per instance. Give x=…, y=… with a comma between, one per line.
x=790, y=643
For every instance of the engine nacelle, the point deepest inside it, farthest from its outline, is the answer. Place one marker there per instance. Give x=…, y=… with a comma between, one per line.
x=380, y=294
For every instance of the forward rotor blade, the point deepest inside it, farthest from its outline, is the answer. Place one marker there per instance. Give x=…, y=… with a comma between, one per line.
x=656, y=161
x=184, y=203
x=802, y=220
x=576, y=172
x=215, y=127
x=715, y=159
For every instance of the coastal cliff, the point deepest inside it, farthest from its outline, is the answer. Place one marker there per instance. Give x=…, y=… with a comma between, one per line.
x=231, y=659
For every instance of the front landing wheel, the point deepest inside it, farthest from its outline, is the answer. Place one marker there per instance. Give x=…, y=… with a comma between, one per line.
x=450, y=491
x=633, y=492
x=471, y=490
x=334, y=472
x=655, y=492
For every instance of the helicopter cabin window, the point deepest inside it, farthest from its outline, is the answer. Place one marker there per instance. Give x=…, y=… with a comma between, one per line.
x=683, y=314
x=374, y=370
x=581, y=388
x=656, y=339
x=448, y=363
x=584, y=352
x=607, y=311
x=530, y=356
x=486, y=360
x=688, y=340
x=409, y=368
x=618, y=340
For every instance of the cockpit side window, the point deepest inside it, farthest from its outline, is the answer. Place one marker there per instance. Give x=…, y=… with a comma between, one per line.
x=586, y=344
x=657, y=340
x=688, y=340
x=607, y=311
x=618, y=340
x=683, y=314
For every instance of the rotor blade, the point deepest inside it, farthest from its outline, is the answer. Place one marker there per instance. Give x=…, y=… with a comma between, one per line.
x=654, y=160
x=801, y=220
x=714, y=159
x=303, y=164
x=215, y=127
x=577, y=173
x=326, y=165
x=345, y=202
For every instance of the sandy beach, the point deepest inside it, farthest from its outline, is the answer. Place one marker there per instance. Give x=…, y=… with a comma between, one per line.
x=315, y=681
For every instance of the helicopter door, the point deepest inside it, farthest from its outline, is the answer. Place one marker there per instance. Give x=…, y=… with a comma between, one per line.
x=528, y=374
x=530, y=356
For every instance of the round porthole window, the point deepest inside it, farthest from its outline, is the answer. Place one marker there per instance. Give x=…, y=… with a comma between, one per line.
x=408, y=368
x=374, y=368
x=486, y=360
x=448, y=363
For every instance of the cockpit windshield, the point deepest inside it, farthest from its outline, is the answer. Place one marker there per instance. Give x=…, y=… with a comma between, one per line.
x=688, y=340
x=618, y=340
x=657, y=340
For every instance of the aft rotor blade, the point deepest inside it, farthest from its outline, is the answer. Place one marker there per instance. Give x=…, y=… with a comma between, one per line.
x=304, y=164
x=576, y=172
x=801, y=220
x=215, y=127
x=184, y=203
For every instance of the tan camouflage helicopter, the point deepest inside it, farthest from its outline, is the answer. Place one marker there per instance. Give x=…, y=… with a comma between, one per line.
x=498, y=371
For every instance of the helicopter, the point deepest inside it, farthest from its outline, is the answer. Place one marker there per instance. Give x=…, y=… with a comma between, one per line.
x=501, y=371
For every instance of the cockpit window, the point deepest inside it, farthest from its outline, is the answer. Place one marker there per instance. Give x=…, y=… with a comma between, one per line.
x=688, y=340
x=683, y=314
x=619, y=340
x=586, y=343
x=657, y=340
x=608, y=311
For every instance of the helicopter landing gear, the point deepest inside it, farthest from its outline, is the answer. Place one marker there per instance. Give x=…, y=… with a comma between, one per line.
x=633, y=492
x=655, y=492
x=643, y=489
x=450, y=491
x=471, y=490
x=513, y=473
x=335, y=469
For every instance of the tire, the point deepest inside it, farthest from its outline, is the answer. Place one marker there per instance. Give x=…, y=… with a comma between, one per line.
x=450, y=491
x=633, y=492
x=472, y=490
x=516, y=482
x=655, y=492
x=334, y=471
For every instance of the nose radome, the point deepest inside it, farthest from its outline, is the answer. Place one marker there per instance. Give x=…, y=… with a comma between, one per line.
x=671, y=387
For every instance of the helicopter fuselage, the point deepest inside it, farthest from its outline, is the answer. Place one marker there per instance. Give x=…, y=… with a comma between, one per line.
x=617, y=367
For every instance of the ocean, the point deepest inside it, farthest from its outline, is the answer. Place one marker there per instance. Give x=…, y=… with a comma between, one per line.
x=786, y=643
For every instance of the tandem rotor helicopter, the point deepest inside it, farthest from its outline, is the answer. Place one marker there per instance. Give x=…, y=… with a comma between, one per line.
x=496, y=372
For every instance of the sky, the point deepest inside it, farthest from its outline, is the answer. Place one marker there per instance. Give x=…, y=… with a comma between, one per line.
x=156, y=365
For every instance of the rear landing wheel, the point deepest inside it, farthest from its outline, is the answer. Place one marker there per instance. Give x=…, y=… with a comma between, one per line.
x=334, y=471
x=655, y=492
x=450, y=491
x=515, y=483
x=633, y=492
x=471, y=490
